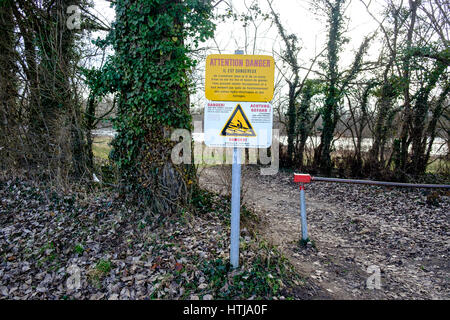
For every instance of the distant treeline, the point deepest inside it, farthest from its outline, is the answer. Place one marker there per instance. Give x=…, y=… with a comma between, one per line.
x=50, y=93
x=400, y=101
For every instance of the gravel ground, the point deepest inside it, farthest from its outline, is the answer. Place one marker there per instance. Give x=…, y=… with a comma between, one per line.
x=403, y=232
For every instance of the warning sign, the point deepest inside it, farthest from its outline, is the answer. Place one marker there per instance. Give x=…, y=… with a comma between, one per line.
x=239, y=77
x=238, y=125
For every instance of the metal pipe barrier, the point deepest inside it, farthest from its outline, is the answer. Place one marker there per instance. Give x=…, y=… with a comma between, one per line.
x=381, y=183
x=306, y=178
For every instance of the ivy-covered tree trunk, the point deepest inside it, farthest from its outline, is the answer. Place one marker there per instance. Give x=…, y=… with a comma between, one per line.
x=363, y=121
x=150, y=73
x=304, y=119
x=419, y=134
x=387, y=95
x=407, y=112
x=330, y=109
x=432, y=126
x=295, y=88
x=291, y=115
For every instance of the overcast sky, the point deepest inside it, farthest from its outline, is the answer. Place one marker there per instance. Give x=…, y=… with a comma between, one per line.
x=297, y=17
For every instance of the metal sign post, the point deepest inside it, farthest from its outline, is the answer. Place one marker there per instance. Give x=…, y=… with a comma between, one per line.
x=235, y=207
x=235, y=203
x=238, y=115
x=303, y=213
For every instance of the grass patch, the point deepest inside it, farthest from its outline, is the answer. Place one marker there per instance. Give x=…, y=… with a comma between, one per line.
x=268, y=274
x=79, y=249
x=104, y=266
x=101, y=147
x=101, y=270
x=439, y=166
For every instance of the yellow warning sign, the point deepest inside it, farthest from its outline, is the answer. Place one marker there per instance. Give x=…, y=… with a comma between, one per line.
x=234, y=77
x=238, y=125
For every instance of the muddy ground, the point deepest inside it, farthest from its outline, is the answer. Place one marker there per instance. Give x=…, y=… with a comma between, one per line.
x=403, y=232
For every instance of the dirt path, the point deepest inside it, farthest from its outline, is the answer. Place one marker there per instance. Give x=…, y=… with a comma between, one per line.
x=354, y=227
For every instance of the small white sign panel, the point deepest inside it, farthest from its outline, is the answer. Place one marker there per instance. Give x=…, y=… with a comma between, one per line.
x=238, y=124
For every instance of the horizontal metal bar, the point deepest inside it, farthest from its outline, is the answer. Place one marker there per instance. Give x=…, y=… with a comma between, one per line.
x=381, y=183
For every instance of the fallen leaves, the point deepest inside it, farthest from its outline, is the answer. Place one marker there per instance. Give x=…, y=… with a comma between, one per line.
x=107, y=249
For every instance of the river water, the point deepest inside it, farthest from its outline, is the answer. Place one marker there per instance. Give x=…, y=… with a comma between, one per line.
x=439, y=146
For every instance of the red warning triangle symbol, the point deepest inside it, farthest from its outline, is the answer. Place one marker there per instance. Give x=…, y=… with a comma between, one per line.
x=238, y=125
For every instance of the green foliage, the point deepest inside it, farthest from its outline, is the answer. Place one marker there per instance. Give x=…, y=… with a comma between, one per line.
x=202, y=200
x=304, y=112
x=329, y=111
x=392, y=89
x=267, y=275
x=303, y=242
x=256, y=281
x=79, y=249
x=150, y=73
x=103, y=266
